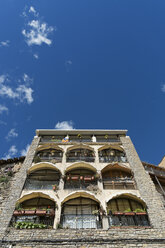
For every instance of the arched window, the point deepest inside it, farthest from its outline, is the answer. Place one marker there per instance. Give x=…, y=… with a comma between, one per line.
x=37, y=210
x=80, y=178
x=126, y=211
x=112, y=155
x=52, y=155
x=80, y=213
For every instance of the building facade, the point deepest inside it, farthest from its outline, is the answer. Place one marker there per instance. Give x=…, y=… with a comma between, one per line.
x=81, y=182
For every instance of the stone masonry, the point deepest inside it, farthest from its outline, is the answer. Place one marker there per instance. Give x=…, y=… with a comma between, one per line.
x=145, y=186
x=16, y=190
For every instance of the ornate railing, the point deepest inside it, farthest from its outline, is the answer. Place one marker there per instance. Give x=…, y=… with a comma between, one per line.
x=80, y=158
x=86, y=221
x=109, y=159
x=118, y=183
x=78, y=184
x=129, y=219
x=31, y=184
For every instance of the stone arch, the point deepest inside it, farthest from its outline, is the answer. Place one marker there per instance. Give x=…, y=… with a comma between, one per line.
x=115, y=147
x=35, y=195
x=80, y=165
x=50, y=146
x=115, y=166
x=81, y=146
x=131, y=195
x=77, y=194
x=43, y=165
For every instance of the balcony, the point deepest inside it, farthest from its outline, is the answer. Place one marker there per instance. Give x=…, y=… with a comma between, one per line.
x=85, y=221
x=110, y=159
x=52, y=159
x=78, y=155
x=39, y=185
x=119, y=183
x=79, y=182
x=79, y=159
x=128, y=219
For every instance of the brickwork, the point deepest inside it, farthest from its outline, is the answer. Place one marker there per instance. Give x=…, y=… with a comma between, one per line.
x=128, y=238
x=16, y=189
x=145, y=186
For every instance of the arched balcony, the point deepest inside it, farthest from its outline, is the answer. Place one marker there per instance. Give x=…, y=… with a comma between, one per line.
x=110, y=155
x=45, y=178
x=33, y=210
x=117, y=177
x=49, y=155
x=80, y=178
x=81, y=213
x=80, y=154
x=126, y=210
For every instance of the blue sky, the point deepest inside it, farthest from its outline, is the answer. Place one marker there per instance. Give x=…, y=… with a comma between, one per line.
x=94, y=64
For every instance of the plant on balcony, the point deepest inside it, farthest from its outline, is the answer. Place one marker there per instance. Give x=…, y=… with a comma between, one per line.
x=59, y=226
x=68, y=178
x=81, y=177
x=106, y=136
x=37, y=159
x=95, y=212
x=88, y=178
x=79, y=136
x=140, y=211
x=128, y=212
x=93, y=188
x=41, y=212
x=75, y=177
x=55, y=187
x=29, y=225
x=30, y=211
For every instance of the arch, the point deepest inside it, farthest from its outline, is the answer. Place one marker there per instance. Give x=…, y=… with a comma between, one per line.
x=119, y=148
x=77, y=194
x=115, y=166
x=81, y=146
x=131, y=196
x=43, y=165
x=34, y=195
x=49, y=146
x=80, y=165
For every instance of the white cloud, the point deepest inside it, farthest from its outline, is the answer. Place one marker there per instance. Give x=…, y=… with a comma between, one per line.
x=24, y=151
x=3, y=123
x=67, y=125
x=32, y=9
x=12, y=151
x=163, y=88
x=35, y=55
x=21, y=93
x=37, y=31
x=4, y=43
x=3, y=109
x=11, y=134
x=27, y=79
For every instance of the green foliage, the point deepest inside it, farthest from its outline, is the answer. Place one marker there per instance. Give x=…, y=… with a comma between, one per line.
x=59, y=226
x=139, y=210
x=95, y=212
x=4, y=179
x=10, y=173
x=29, y=225
x=37, y=159
x=128, y=210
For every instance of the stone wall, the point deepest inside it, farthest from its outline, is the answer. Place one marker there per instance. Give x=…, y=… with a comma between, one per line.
x=123, y=238
x=146, y=187
x=9, y=204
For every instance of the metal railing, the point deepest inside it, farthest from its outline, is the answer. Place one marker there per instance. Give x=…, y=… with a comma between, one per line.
x=85, y=221
x=31, y=184
x=80, y=158
x=35, y=219
x=128, y=220
x=47, y=159
x=78, y=184
x=108, y=159
x=118, y=183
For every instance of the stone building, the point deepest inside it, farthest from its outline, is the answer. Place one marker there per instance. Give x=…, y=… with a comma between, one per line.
x=84, y=188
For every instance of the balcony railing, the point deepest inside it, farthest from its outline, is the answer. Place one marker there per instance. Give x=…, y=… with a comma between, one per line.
x=119, y=183
x=31, y=184
x=109, y=159
x=56, y=159
x=46, y=220
x=128, y=220
x=78, y=184
x=80, y=221
x=80, y=158
x=78, y=140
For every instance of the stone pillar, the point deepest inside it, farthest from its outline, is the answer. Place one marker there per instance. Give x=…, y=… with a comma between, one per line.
x=105, y=223
x=17, y=188
x=146, y=187
x=57, y=216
